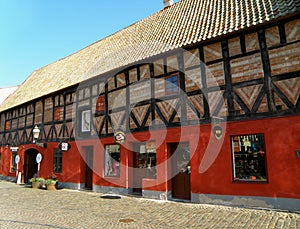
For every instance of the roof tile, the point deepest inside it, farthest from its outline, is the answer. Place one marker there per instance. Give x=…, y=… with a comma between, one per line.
x=184, y=23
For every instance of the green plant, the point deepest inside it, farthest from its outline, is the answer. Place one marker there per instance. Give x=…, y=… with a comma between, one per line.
x=50, y=181
x=37, y=179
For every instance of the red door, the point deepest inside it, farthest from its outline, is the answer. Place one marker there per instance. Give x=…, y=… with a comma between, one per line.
x=180, y=162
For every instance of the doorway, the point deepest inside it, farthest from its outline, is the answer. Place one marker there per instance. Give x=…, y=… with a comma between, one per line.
x=144, y=164
x=89, y=160
x=30, y=165
x=180, y=168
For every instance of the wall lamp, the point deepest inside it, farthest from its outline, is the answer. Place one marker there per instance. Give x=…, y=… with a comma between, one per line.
x=36, y=135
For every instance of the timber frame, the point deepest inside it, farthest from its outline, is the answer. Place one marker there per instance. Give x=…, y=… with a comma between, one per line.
x=232, y=96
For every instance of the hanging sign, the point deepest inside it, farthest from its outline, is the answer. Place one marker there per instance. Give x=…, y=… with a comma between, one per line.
x=120, y=137
x=38, y=158
x=64, y=146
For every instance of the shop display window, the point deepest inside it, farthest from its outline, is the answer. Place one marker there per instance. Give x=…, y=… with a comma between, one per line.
x=13, y=162
x=145, y=158
x=57, y=161
x=249, y=158
x=112, y=160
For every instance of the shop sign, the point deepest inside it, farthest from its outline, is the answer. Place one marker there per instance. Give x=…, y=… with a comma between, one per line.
x=17, y=159
x=218, y=132
x=120, y=137
x=14, y=149
x=38, y=158
x=64, y=146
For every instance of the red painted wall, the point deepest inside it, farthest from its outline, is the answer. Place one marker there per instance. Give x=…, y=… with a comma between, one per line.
x=211, y=169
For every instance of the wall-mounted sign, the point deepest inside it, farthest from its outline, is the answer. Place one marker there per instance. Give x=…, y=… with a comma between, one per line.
x=218, y=132
x=120, y=136
x=17, y=159
x=38, y=158
x=216, y=127
x=64, y=146
x=14, y=149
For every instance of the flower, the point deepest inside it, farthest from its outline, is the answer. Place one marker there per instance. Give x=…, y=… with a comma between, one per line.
x=36, y=179
x=52, y=179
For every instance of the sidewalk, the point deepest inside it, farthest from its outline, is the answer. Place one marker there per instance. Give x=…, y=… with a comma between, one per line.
x=23, y=207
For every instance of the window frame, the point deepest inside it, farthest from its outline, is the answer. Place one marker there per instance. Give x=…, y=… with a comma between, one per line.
x=236, y=179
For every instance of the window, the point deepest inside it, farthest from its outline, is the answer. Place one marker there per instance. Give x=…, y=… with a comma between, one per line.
x=86, y=121
x=100, y=105
x=172, y=85
x=249, y=158
x=57, y=114
x=7, y=125
x=145, y=157
x=13, y=162
x=57, y=161
x=112, y=160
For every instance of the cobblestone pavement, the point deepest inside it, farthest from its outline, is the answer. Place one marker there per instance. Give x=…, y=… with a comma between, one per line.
x=22, y=207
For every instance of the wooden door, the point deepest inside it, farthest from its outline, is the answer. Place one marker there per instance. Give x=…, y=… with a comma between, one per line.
x=89, y=160
x=30, y=166
x=180, y=162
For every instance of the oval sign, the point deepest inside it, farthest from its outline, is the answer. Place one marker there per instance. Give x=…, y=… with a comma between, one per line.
x=38, y=158
x=17, y=159
x=120, y=137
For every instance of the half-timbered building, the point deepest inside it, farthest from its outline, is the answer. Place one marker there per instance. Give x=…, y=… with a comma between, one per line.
x=199, y=101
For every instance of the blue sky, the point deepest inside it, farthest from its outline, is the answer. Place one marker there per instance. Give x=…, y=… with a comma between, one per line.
x=35, y=33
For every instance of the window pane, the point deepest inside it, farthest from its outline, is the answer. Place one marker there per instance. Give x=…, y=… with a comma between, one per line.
x=249, y=158
x=172, y=84
x=112, y=160
x=57, y=161
x=145, y=158
x=13, y=163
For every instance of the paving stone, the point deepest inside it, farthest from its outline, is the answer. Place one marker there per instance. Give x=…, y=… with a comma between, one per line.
x=24, y=207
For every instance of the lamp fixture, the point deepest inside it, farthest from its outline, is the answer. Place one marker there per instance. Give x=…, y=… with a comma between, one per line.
x=36, y=135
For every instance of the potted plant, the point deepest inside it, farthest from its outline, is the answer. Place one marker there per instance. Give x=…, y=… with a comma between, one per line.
x=37, y=182
x=51, y=182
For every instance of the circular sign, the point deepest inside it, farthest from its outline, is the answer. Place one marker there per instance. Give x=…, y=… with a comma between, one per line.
x=120, y=137
x=38, y=158
x=17, y=159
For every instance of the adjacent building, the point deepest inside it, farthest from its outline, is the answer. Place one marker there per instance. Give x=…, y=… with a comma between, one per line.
x=198, y=102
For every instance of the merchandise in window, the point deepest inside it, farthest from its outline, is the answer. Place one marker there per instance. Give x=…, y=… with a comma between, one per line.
x=112, y=160
x=172, y=85
x=57, y=161
x=145, y=157
x=249, y=158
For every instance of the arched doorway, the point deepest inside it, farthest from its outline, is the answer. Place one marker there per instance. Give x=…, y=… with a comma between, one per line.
x=30, y=165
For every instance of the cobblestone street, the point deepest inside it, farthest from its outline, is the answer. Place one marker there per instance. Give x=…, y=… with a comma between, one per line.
x=23, y=207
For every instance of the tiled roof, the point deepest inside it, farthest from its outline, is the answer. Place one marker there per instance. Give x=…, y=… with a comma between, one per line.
x=6, y=92
x=184, y=23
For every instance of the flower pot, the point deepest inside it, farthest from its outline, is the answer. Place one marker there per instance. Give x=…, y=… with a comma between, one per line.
x=51, y=187
x=36, y=184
